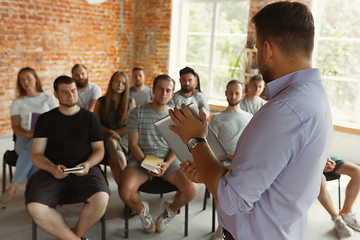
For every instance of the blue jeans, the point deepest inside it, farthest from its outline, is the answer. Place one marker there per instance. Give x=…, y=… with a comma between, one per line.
x=24, y=166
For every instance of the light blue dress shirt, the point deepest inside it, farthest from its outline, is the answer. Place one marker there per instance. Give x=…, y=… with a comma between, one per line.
x=276, y=171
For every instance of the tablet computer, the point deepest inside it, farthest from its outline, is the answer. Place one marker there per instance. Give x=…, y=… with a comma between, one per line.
x=177, y=145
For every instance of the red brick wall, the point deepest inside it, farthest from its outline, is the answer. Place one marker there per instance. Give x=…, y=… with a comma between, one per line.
x=51, y=36
x=152, y=28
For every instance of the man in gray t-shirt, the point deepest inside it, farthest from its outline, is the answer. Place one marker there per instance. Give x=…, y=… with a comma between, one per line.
x=139, y=91
x=229, y=123
x=145, y=140
x=252, y=102
x=188, y=92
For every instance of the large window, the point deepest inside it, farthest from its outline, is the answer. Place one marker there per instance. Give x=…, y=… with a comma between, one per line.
x=337, y=54
x=210, y=37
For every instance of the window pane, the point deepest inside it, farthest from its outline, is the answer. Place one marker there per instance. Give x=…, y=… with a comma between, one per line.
x=233, y=17
x=198, y=49
x=340, y=14
x=200, y=17
x=228, y=50
x=342, y=98
x=221, y=78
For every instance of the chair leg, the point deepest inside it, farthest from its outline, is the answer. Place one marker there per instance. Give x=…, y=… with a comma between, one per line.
x=4, y=176
x=34, y=228
x=186, y=219
x=127, y=214
x=205, y=198
x=103, y=228
x=213, y=215
x=339, y=194
x=11, y=173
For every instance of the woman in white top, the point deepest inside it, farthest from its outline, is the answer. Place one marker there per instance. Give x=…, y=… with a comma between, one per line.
x=31, y=100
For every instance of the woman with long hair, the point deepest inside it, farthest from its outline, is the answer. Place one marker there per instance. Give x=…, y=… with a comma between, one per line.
x=31, y=101
x=113, y=109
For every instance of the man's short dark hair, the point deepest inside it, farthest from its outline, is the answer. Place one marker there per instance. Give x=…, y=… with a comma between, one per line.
x=187, y=70
x=238, y=82
x=137, y=69
x=163, y=77
x=76, y=66
x=290, y=25
x=255, y=78
x=62, y=79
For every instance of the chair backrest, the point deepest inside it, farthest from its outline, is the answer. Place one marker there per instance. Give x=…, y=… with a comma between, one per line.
x=10, y=157
x=157, y=186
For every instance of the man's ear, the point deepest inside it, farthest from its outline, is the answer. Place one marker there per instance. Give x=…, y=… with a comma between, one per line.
x=268, y=51
x=242, y=96
x=55, y=94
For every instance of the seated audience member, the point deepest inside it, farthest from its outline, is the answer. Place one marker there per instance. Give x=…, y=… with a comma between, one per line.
x=344, y=220
x=113, y=109
x=67, y=137
x=31, y=100
x=252, y=101
x=139, y=91
x=228, y=125
x=188, y=92
x=145, y=140
x=88, y=92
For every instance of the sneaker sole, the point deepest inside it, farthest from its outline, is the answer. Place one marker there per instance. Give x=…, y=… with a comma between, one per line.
x=153, y=229
x=354, y=228
x=156, y=224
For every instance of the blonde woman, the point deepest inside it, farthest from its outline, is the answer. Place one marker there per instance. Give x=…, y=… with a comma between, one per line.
x=31, y=100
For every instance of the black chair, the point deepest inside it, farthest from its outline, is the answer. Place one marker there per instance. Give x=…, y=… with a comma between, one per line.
x=10, y=159
x=70, y=198
x=156, y=186
x=331, y=177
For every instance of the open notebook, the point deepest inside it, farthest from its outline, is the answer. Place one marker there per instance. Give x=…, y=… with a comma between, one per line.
x=177, y=145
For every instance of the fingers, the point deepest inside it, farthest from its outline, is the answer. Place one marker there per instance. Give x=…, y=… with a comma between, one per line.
x=202, y=115
x=176, y=115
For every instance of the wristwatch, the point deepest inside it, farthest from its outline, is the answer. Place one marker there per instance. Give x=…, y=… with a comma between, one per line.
x=194, y=141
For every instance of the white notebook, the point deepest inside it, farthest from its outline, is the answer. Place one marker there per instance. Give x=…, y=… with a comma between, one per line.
x=177, y=145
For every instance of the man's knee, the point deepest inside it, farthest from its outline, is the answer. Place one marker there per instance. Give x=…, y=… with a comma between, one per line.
x=100, y=199
x=35, y=208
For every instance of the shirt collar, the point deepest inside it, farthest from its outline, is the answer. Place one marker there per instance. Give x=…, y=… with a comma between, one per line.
x=306, y=75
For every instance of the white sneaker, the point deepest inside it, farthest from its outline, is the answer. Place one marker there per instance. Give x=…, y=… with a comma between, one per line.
x=351, y=221
x=341, y=228
x=146, y=219
x=219, y=234
x=164, y=219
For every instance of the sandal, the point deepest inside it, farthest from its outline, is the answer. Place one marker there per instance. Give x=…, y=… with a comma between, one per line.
x=5, y=198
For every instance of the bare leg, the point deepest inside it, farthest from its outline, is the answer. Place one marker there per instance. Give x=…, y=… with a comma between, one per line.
x=353, y=188
x=116, y=160
x=131, y=180
x=12, y=188
x=91, y=213
x=325, y=200
x=50, y=221
x=186, y=190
